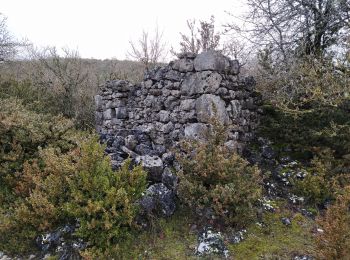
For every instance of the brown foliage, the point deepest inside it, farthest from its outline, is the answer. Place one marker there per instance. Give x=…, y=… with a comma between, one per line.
x=334, y=242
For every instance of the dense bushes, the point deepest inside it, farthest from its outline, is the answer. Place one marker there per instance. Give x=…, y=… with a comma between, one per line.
x=52, y=174
x=103, y=200
x=215, y=178
x=22, y=134
x=325, y=176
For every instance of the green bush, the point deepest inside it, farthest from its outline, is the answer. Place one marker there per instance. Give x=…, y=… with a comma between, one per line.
x=213, y=177
x=77, y=185
x=22, y=134
x=326, y=175
x=103, y=200
x=40, y=193
x=51, y=174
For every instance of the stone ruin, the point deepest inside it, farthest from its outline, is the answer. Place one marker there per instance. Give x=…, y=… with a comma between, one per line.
x=146, y=120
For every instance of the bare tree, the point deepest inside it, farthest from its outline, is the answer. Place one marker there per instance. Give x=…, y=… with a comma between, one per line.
x=64, y=75
x=209, y=39
x=294, y=27
x=149, y=50
x=200, y=38
x=190, y=43
x=8, y=45
x=235, y=50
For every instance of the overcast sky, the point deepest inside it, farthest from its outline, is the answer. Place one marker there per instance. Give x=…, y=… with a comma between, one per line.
x=102, y=28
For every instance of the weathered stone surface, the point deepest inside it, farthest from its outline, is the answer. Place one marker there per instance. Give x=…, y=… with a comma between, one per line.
x=56, y=242
x=236, y=108
x=199, y=83
x=211, y=242
x=209, y=106
x=153, y=165
x=215, y=61
x=131, y=142
x=164, y=116
x=109, y=114
x=99, y=102
x=187, y=104
x=183, y=65
x=158, y=200
x=211, y=60
x=121, y=113
x=196, y=131
x=169, y=179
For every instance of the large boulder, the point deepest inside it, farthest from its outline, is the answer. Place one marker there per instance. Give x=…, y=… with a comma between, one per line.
x=215, y=61
x=199, y=83
x=209, y=106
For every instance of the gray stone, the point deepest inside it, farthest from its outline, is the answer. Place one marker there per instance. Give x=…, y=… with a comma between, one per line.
x=187, y=104
x=121, y=113
x=196, y=131
x=173, y=75
x=158, y=200
x=209, y=106
x=164, y=116
x=286, y=221
x=211, y=242
x=168, y=158
x=109, y=114
x=236, y=108
x=183, y=65
x=169, y=179
x=234, y=67
x=167, y=128
x=215, y=61
x=99, y=102
x=129, y=152
x=131, y=142
x=143, y=149
x=56, y=242
x=98, y=118
x=153, y=165
x=199, y=83
x=149, y=101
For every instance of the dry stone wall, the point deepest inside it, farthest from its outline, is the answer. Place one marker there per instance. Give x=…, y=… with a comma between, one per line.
x=174, y=102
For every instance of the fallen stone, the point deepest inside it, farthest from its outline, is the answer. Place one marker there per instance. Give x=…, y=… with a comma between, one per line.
x=131, y=142
x=169, y=179
x=158, y=200
x=153, y=165
x=237, y=237
x=211, y=242
x=286, y=221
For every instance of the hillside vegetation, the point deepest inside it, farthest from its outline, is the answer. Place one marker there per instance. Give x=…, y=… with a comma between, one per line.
x=287, y=196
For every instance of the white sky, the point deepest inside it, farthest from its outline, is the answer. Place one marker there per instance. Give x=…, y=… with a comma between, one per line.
x=103, y=28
